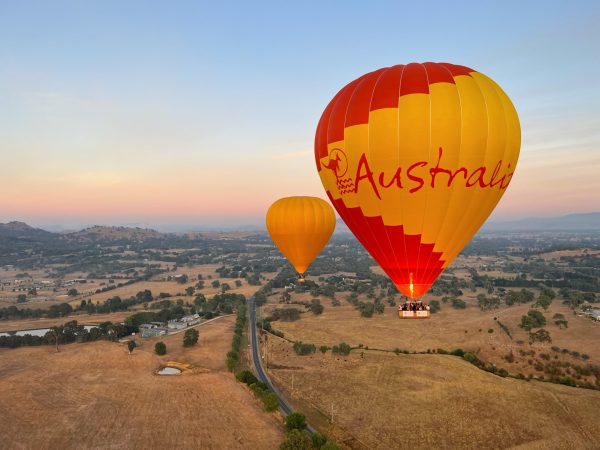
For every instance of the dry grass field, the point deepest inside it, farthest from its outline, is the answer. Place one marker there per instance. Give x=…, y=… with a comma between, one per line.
x=458, y=328
x=97, y=396
x=384, y=401
x=449, y=329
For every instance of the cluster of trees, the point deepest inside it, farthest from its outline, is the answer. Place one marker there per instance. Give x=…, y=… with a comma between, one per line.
x=560, y=321
x=366, y=309
x=487, y=303
x=286, y=314
x=69, y=332
x=233, y=356
x=260, y=389
x=302, y=348
x=341, y=349
x=298, y=439
x=533, y=319
x=57, y=310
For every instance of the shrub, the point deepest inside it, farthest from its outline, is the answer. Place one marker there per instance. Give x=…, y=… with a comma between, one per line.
x=258, y=386
x=366, y=309
x=247, y=377
x=232, y=359
x=342, y=349
x=533, y=319
x=270, y=401
x=287, y=314
x=316, y=307
x=160, y=348
x=458, y=352
x=323, y=349
x=295, y=421
x=296, y=440
x=131, y=345
x=304, y=349
x=470, y=357
x=330, y=446
x=458, y=304
x=318, y=440
x=540, y=336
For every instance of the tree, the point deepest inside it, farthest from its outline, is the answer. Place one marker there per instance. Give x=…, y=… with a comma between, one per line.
x=190, y=337
x=295, y=421
x=533, y=319
x=182, y=279
x=296, y=440
x=216, y=283
x=199, y=300
x=190, y=290
x=560, y=321
x=238, y=283
x=315, y=307
x=458, y=304
x=366, y=309
x=544, y=300
x=57, y=333
x=225, y=287
x=160, y=348
x=540, y=335
x=341, y=349
x=72, y=292
x=144, y=296
x=304, y=349
x=21, y=298
x=130, y=346
x=271, y=401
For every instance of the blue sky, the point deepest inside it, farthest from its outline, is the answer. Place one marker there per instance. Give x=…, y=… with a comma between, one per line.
x=203, y=113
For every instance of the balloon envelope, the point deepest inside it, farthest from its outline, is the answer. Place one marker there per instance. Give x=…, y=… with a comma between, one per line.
x=414, y=158
x=300, y=227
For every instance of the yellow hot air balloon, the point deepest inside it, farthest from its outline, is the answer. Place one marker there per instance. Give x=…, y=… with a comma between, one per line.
x=414, y=158
x=300, y=227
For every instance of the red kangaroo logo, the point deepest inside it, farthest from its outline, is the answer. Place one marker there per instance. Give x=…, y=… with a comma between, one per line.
x=338, y=162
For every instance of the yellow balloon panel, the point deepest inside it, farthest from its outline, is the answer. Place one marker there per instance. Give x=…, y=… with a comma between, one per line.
x=300, y=227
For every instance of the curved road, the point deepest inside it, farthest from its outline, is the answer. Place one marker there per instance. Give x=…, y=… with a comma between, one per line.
x=284, y=406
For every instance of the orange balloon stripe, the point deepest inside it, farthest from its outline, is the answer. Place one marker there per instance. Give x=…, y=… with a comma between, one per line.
x=399, y=269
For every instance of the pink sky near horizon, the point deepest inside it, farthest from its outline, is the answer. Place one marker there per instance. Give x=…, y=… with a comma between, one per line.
x=205, y=114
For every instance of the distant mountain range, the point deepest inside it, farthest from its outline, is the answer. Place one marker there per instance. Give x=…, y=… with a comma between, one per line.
x=20, y=231
x=570, y=222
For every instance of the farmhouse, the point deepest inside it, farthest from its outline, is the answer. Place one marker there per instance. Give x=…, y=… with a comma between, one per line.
x=153, y=329
x=184, y=322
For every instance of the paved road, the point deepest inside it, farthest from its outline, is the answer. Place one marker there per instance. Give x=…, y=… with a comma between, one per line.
x=284, y=406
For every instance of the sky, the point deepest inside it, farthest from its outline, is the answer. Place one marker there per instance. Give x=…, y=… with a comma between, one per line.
x=194, y=115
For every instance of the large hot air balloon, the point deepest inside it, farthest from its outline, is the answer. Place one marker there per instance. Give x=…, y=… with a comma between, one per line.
x=414, y=158
x=300, y=227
